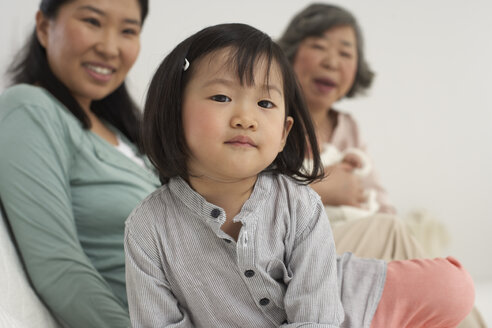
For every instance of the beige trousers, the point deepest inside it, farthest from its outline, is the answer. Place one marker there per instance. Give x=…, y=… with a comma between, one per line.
x=386, y=237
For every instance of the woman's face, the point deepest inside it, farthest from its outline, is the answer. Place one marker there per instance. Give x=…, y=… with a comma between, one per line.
x=91, y=45
x=326, y=66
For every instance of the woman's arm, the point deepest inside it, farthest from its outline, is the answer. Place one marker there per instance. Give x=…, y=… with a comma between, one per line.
x=35, y=158
x=347, y=135
x=340, y=186
x=312, y=295
x=150, y=299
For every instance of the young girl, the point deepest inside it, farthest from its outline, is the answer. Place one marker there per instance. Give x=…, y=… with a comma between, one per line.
x=234, y=237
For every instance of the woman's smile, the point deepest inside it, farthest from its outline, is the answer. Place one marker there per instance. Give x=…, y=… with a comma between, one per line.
x=324, y=85
x=102, y=73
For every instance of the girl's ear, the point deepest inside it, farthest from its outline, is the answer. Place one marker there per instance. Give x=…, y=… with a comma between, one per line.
x=42, y=25
x=289, y=122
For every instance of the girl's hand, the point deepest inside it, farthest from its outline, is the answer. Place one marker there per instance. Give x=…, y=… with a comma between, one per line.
x=340, y=186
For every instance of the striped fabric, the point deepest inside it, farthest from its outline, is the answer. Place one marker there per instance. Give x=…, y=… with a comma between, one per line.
x=184, y=271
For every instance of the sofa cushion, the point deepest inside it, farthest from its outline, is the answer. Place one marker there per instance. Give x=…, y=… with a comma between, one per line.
x=19, y=305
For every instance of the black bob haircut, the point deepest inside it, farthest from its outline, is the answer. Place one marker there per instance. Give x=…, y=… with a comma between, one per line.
x=162, y=132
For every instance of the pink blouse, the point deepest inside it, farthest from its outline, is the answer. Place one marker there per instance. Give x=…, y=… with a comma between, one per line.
x=346, y=135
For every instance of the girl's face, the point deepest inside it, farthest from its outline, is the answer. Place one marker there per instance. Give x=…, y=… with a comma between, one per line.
x=326, y=66
x=233, y=131
x=91, y=45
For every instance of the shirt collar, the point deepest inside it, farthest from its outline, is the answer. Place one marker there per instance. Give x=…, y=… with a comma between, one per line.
x=214, y=214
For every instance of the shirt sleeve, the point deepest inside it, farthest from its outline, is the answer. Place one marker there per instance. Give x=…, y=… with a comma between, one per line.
x=35, y=156
x=150, y=299
x=312, y=297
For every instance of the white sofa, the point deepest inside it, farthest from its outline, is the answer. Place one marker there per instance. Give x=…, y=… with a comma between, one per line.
x=20, y=307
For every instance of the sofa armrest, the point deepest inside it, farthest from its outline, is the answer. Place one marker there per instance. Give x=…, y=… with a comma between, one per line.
x=20, y=307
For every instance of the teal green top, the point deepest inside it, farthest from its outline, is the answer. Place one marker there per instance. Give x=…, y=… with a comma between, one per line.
x=67, y=193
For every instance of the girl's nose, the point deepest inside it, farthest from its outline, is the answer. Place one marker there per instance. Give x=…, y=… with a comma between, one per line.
x=244, y=121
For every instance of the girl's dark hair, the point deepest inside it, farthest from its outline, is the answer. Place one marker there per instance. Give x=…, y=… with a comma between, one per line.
x=31, y=67
x=315, y=20
x=162, y=133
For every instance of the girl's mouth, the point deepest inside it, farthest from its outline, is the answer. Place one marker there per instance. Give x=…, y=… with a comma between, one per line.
x=242, y=141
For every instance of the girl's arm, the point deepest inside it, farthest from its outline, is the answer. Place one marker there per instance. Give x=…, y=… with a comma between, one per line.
x=150, y=299
x=35, y=191
x=312, y=294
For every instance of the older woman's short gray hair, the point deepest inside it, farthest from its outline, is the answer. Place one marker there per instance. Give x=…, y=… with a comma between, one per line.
x=316, y=19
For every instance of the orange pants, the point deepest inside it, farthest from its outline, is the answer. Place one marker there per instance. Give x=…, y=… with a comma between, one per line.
x=425, y=293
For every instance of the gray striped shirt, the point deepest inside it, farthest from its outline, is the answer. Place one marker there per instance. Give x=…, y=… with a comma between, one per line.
x=184, y=271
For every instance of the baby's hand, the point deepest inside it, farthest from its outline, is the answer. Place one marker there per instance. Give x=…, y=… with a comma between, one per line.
x=354, y=160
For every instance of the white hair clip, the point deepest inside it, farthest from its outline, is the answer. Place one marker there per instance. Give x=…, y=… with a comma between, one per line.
x=186, y=65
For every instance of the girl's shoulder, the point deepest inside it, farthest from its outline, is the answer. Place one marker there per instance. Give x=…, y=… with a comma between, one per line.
x=288, y=184
x=150, y=207
x=297, y=203
x=297, y=194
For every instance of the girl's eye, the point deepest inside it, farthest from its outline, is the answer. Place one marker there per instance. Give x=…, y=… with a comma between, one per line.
x=92, y=21
x=221, y=98
x=265, y=104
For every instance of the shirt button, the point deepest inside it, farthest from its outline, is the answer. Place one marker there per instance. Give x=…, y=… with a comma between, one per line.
x=264, y=301
x=215, y=213
x=249, y=273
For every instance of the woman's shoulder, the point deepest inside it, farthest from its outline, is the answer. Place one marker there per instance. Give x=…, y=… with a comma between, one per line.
x=344, y=118
x=32, y=113
x=26, y=94
x=346, y=132
x=29, y=105
x=31, y=99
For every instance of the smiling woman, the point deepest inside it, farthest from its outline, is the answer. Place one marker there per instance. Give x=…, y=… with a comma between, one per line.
x=74, y=172
x=334, y=50
x=91, y=47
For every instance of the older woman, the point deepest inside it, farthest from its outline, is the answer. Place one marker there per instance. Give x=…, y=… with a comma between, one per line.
x=325, y=46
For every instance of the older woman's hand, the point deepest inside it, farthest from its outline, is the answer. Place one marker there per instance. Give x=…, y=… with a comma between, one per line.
x=340, y=186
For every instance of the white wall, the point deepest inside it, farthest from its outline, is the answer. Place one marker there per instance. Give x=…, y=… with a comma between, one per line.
x=427, y=120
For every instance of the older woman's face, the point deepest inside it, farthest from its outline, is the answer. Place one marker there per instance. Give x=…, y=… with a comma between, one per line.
x=326, y=66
